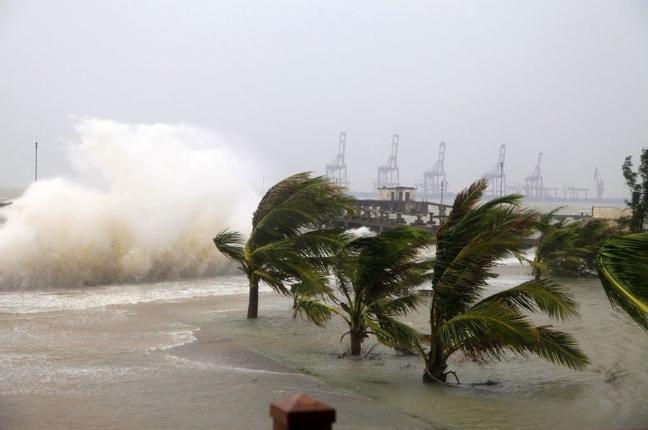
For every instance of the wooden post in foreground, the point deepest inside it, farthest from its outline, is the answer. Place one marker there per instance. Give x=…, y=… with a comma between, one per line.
x=302, y=412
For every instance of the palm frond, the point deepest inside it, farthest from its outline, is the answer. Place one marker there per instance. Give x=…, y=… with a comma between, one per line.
x=297, y=202
x=276, y=280
x=393, y=333
x=542, y=295
x=231, y=244
x=390, y=263
x=559, y=348
x=492, y=326
x=472, y=242
x=622, y=265
x=314, y=310
x=398, y=306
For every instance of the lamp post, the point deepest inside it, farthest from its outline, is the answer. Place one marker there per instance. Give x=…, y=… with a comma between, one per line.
x=36, y=160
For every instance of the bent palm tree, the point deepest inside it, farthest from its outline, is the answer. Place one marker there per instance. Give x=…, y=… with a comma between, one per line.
x=622, y=265
x=375, y=277
x=287, y=244
x=568, y=248
x=553, y=246
x=469, y=245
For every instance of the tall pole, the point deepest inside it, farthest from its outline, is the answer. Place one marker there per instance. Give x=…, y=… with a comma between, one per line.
x=442, y=183
x=36, y=161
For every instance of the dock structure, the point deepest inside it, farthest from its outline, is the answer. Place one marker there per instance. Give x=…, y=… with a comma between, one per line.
x=392, y=207
x=380, y=215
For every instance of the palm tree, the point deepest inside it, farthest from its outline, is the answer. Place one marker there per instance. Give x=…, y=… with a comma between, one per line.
x=554, y=245
x=622, y=265
x=375, y=277
x=469, y=245
x=287, y=244
x=568, y=248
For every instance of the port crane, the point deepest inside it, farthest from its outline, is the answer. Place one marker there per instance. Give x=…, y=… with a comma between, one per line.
x=600, y=185
x=534, y=182
x=496, y=178
x=336, y=171
x=389, y=174
x=434, y=179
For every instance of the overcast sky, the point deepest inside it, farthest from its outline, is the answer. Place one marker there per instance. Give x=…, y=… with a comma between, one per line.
x=283, y=78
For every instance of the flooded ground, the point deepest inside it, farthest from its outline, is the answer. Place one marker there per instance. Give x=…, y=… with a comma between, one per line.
x=182, y=355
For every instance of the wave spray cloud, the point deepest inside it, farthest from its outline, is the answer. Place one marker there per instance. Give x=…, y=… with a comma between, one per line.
x=143, y=205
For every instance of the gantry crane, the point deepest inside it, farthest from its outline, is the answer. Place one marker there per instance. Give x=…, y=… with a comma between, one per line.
x=337, y=170
x=600, y=185
x=434, y=179
x=534, y=182
x=389, y=174
x=496, y=178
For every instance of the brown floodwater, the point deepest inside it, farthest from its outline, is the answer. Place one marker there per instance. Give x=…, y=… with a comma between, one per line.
x=182, y=355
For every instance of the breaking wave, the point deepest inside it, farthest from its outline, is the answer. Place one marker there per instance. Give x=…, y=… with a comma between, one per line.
x=143, y=205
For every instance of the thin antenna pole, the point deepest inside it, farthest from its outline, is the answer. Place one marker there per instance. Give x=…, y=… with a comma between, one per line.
x=36, y=160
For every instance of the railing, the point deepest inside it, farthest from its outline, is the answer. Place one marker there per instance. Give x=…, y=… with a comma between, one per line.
x=301, y=412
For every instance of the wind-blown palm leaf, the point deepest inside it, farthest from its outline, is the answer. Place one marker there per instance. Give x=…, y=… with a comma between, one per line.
x=622, y=265
x=399, y=306
x=314, y=310
x=299, y=201
x=568, y=248
x=542, y=295
x=470, y=244
x=287, y=244
x=393, y=333
x=231, y=244
x=558, y=347
x=375, y=277
x=493, y=322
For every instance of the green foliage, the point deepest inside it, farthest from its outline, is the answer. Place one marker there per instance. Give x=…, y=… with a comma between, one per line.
x=567, y=249
x=287, y=244
x=469, y=245
x=374, y=278
x=623, y=269
x=637, y=183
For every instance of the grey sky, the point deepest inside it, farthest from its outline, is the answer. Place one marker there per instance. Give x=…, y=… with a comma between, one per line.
x=283, y=78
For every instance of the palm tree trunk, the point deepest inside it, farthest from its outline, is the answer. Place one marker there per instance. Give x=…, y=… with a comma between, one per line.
x=356, y=342
x=253, y=303
x=435, y=366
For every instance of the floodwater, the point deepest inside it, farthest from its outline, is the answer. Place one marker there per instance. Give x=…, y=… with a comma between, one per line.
x=182, y=355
